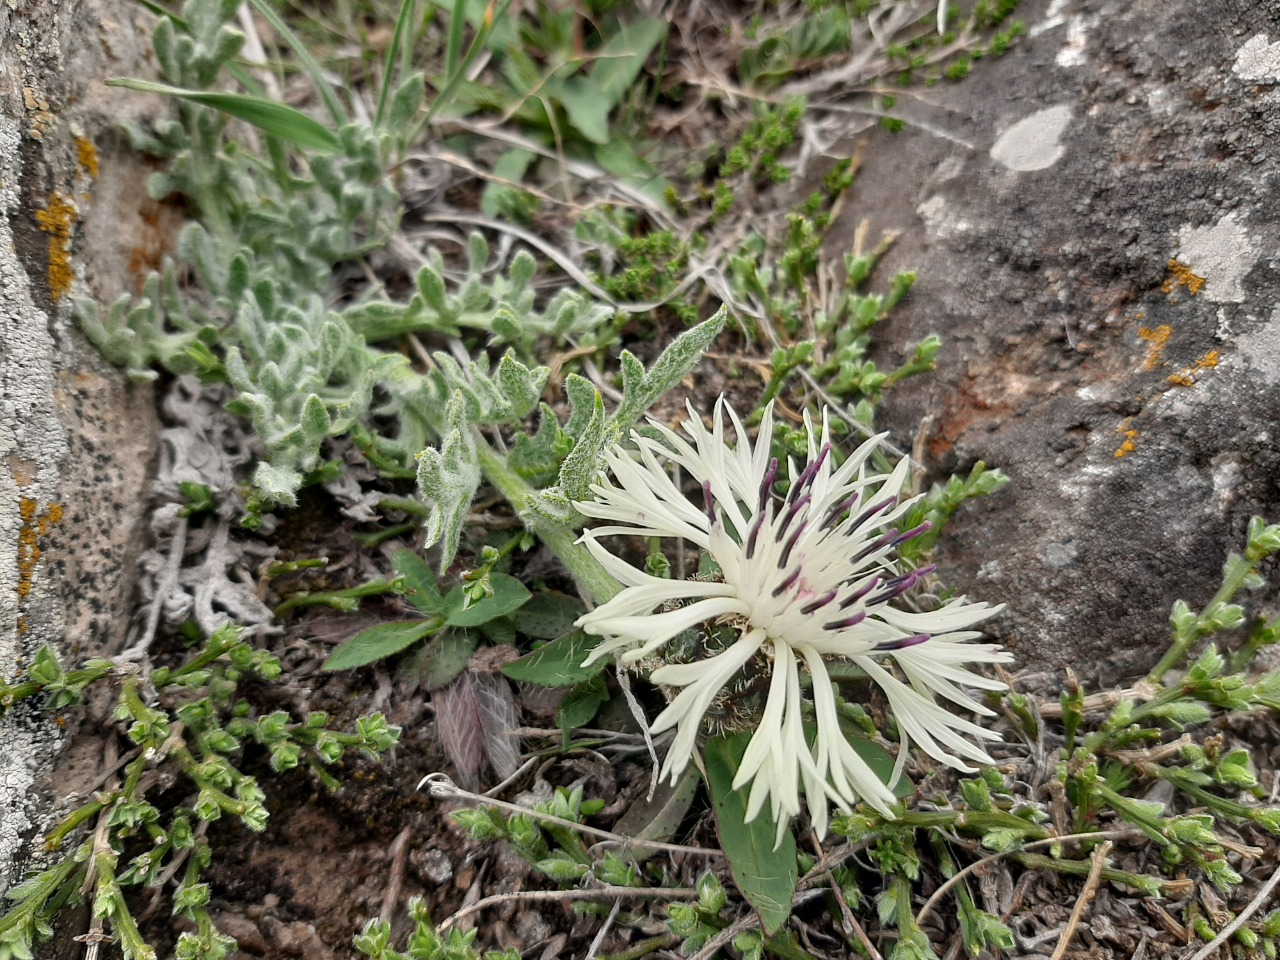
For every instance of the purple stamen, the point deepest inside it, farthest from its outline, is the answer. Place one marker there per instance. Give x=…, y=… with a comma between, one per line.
x=872, y=510
x=819, y=602
x=791, y=513
x=755, y=531
x=900, y=585
x=839, y=509
x=808, y=473
x=913, y=532
x=890, y=645
x=847, y=622
x=857, y=595
x=791, y=543
x=781, y=588
x=709, y=502
x=766, y=487
x=877, y=544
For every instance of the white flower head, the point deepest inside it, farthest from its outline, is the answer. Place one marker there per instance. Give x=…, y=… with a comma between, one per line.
x=803, y=578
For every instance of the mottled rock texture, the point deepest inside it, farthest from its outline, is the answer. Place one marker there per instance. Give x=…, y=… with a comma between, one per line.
x=76, y=440
x=1100, y=256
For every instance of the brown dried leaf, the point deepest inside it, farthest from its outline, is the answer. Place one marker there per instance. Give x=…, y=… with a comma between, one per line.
x=462, y=734
x=497, y=710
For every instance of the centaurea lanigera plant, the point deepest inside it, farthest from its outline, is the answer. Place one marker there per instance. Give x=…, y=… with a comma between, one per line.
x=798, y=579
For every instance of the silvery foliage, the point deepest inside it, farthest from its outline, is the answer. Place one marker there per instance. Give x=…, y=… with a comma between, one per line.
x=559, y=463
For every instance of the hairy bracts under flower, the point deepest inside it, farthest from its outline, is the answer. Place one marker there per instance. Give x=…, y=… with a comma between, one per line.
x=803, y=578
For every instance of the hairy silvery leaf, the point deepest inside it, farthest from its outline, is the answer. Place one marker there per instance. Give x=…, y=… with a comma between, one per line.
x=508, y=395
x=406, y=102
x=315, y=422
x=583, y=397
x=277, y=485
x=552, y=505
x=537, y=458
x=581, y=467
x=447, y=481
x=641, y=389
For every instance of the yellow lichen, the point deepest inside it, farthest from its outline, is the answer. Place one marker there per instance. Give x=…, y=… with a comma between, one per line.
x=1157, y=338
x=1130, y=436
x=1186, y=376
x=34, y=526
x=57, y=219
x=1180, y=273
x=87, y=153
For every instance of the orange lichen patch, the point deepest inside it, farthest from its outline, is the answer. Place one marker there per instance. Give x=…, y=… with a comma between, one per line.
x=1186, y=377
x=1180, y=273
x=1157, y=338
x=1130, y=437
x=57, y=219
x=87, y=154
x=34, y=527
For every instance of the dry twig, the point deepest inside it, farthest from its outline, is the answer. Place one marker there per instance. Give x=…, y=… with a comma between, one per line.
x=1086, y=897
x=1263, y=896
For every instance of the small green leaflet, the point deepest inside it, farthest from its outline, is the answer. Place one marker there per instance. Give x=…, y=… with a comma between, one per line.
x=766, y=877
x=558, y=663
x=509, y=595
x=272, y=118
x=420, y=584
x=582, y=703
x=379, y=642
x=548, y=616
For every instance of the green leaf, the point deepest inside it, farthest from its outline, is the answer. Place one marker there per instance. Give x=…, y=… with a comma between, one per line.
x=379, y=642
x=766, y=876
x=447, y=480
x=558, y=663
x=548, y=616
x=587, y=110
x=582, y=703
x=446, y=656
x=509, y=595
x=272, y=118
x=421, y=588
x=641, y=389
x=581, y=468
x=622, y=58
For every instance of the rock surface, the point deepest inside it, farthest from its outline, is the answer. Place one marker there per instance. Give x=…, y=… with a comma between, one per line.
x=76, y=440
x=1099, y=248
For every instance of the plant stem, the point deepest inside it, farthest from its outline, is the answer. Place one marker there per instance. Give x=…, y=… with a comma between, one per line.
x=593, y=579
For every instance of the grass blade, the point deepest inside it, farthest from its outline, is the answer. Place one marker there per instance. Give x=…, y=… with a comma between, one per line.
x=327, y=93
x=275, y=119
x=407, y=8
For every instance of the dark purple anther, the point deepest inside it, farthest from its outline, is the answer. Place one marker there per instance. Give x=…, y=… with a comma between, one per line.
x=872, y=510
x=902, y=644
x=791, y=513
x=857, y=595
x=819, y=602
x=808, y=473
x=913, y=532
x=766, y=487
x=840, y=508
x=708, y=501
x=755, y=531
x=847, y=622
x=791, y=543
x=781, y=588
x=876, y=544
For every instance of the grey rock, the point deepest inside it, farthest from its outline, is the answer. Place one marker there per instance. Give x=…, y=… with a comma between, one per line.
x=1102, y=261
x=76, y=440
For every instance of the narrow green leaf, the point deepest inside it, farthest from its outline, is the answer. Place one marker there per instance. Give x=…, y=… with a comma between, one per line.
x=509, y=595
x=393, y=53
x=587, y=111
x=766, y=877
x=641, y=389
x=558, y=663
x=272, y=118
x=582, y=466
x=379, y=642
